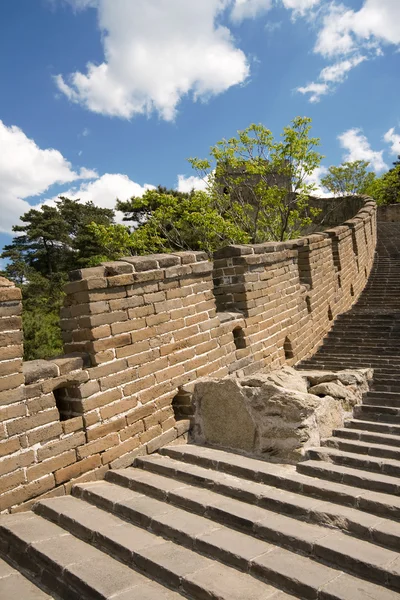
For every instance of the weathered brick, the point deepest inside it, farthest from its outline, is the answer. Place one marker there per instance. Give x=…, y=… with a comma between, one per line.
x=102, y=430
x=118, y=408
x=12, y=463
x=104, y=443
x=12, y=480
x=43, y=434
x=12, y=411
x=27, y=423
x=9, y=382
x=121, y=449
x=8, y=447
x=23, y=493
x=49, y=466
x=77, y=469
x=57, y=447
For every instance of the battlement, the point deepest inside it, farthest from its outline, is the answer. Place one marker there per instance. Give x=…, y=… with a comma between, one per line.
x=138, y=331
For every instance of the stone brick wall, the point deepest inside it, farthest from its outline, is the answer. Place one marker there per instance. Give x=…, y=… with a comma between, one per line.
x=139, y=331
x=389, y=213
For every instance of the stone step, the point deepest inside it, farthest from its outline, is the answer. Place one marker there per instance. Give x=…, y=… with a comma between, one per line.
x=225, y=544
x=14, y=584
x=360, y=447
x=71, y=568
x=301, y=507
x=355, y=556
x=355, y=478
x=183, y=569
x=385, y=414
x=286, y=478
x=386, y=428
x=383, y=466
x=385, y=385
x=309, y=578
x=367, y=437
x=380, y=398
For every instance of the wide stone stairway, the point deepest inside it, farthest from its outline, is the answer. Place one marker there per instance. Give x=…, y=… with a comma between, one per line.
x=201, y=523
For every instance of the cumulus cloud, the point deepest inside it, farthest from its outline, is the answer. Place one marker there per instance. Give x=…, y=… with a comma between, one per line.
x=27, y=170
x=315, y=89
x=105, y=191
x=358, y=147
x=350, y=37
x=249, y=9
x=187, y=184
x=344, y=30
x=155, y=53
x=393, y=139
x=329, y=76
x=300, y=6
x=315, y=179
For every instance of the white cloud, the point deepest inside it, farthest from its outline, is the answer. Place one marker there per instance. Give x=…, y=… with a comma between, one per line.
x=330, y=75
x=351, y=37
x=26, y=170
x=338, y=71
x=316, y=90
x=187, y=184
x=105, y=191
x=393, y=138
x=300, y=6
x=345, y=30
x=155, y=54
x=315, y=179
x=249, y=9
x=358, y=148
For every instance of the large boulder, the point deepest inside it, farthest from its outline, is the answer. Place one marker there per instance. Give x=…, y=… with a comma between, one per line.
x=257, y=416
x=288, y=378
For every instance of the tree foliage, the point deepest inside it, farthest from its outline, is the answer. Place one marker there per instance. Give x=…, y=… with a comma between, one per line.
x=52, y=241
x=386, y=189
x=263, y=184
x=168, y=220
x=349, y=178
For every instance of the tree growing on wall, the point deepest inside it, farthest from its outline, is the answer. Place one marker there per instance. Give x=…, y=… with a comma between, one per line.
x=258, y=190
x=349, y=178
x=262, y=184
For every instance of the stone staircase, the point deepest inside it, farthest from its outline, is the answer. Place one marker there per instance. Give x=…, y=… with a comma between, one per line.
x=206, y=524
x=197, y=522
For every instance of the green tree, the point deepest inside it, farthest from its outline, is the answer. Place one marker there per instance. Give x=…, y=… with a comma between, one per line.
x=168, y=220
x=262, y=184
x=52, y=241
x=349, y=178
x=386, y=189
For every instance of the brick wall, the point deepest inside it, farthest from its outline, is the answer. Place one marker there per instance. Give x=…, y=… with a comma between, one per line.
x=139, y=331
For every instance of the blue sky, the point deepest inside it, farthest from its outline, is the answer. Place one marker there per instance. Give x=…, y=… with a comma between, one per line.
x=100, y=98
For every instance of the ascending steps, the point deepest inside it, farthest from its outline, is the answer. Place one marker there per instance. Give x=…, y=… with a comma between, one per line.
x=72, y=569
x=211, y=532
x=14, y=585
x=367, y=436
x=84, y=552
x=386, y=428
x=341, y=487
x=312, y=510
x=381, y=414
x=361, y=447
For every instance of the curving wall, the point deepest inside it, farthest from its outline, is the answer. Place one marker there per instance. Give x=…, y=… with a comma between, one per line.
x=139, y=331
